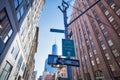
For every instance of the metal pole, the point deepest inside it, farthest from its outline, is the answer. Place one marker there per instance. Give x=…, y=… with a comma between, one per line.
x=66, y=25
x=65, y=7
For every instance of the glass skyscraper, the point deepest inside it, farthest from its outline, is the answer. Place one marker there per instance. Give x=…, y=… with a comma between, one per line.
x=54, y=49
x=48, y=67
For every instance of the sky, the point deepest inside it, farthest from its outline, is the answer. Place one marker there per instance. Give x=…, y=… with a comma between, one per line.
x=51, y=17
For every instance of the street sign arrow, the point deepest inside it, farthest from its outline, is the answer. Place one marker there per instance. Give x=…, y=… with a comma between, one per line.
x=57, y=60
x=69, y=62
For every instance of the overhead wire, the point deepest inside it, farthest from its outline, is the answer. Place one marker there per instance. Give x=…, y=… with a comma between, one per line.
x=87, y=15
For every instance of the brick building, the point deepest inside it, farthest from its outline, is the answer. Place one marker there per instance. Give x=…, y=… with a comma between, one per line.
x=96, y=35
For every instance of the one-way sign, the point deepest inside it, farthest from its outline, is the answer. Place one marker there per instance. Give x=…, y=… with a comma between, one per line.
x=57, y=60
x=69, y=62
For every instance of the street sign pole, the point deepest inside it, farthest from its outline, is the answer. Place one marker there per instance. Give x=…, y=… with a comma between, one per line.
x=64, y=8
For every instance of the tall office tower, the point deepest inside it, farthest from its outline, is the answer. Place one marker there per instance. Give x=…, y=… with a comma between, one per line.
x=96, y=35
x=48, y=67
x=54, y=49
x=18, y=37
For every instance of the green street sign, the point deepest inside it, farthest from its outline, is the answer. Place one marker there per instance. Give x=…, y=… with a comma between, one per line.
x=68, y=48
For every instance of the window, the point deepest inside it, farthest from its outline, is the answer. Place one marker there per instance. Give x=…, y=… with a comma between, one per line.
x=1, y=46
x=18, y=16
x=99, y=74
x=106, y=12
x=94, y=51
x=111, y=18
x=17, y=3
x=97, y=60
x=115, y=52
x=92, y=44
x=94, y=25
x=100, y=3
x=28, y=19
x=6, y=30
x=107, y=56
x=6, y=72
x=103, y=46
x=90, y=37
x=103, y=7
x=99, y=21
x=113, y=6
x=23, y=66
x=15, y=50
x=119, y=63
x=28, y=2
x=92, y=63
x=20, y=60
x=82, y=58
x=112, y=67
x=20, y=1
x=87, y=76
x=106, y=34
x=110, y=42
x=100, y=38
x=116, y=26
x=85, y=57
x=109, y=1
x=90, y=53
x=10, y=32
x=18, y=66
x=118, y=12
x=102, y=27
x=20, y=13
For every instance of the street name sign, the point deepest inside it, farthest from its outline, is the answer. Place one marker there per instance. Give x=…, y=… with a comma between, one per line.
x=68, y=48
x=57, y=30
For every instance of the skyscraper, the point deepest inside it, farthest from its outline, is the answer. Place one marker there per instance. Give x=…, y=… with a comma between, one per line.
x=18, y=37
x=48, y=67
x=96, y=35
x=54, y=49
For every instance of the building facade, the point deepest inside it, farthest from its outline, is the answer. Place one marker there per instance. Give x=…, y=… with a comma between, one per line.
x=50, y=77
x=96, y=35
x=61, y=73
x=18, y=37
